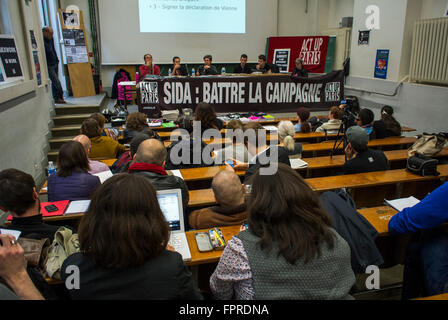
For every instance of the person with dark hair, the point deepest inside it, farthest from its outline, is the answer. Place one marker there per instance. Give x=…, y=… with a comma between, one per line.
x=299, y=70
x=289, y=251
x=335, y=122
x=150, y=161
x=264, y=154
x=102, y=147
x=262, y=65
x=101, y=119
x=236, y=151
x=52, y=64
x=207, y=116
x=137, y=262
x=19, y=197
x=302, y=125
x=135, y=122
x=360, y=157
x=72, y=181
x=185, y=142
x=243, y=67
x=177, y=69
x=148, y=67
x=231, y=208
x=388, y=126
x=207, y=68
x=426, y=262
x=365, y=120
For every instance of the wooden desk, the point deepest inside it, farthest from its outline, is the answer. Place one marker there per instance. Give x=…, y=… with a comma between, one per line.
x=108, y=162
x=205, y=197
x=443, y=296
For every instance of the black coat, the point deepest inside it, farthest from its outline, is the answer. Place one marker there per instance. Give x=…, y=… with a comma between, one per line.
x=354, y=228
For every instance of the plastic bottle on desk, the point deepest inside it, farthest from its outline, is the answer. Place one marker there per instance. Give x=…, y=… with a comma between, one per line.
x=137, y=77
x=223, y=71
x=169, y=72
x=51, y=168
x=193, y=72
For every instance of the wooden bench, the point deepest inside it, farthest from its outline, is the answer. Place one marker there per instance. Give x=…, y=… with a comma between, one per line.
x=364, y=181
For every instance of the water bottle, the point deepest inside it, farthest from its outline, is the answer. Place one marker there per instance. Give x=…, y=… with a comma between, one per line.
x=223, y=70
x=169, y=72
x=193, y=73
x=137, y=77
x=51, y=168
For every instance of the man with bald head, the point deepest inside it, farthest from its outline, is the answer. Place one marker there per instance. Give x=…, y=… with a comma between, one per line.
x=52, y=64
x=149, y=162
x=95, y=166
x=231, y=208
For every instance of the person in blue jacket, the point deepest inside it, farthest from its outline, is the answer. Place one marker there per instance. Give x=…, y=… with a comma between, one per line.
x=426, y=264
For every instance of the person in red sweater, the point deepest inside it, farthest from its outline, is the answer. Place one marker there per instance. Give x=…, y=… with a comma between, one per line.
x=148, y=67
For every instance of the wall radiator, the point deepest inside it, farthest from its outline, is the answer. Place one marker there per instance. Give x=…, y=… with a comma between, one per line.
x=429, y=56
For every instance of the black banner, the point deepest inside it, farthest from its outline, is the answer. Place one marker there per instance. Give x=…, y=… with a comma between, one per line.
x=10, y=57
x=270, y=93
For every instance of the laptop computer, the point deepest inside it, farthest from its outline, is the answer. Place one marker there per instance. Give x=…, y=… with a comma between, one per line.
x=170, y=202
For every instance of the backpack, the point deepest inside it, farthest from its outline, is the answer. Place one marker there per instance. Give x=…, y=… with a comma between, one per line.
x=428, y=144
x=65, y=243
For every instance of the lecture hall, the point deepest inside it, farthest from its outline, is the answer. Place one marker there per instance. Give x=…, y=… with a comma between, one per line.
x=206, y=151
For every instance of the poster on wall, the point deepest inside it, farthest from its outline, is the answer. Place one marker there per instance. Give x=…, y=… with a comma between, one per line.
x=281, y=59
x=37, y=66
x=312, y=50
x=75, y=49
x=9, y=57
x=381, y=63
x=71, y=19
x=363, y=38
x=33, y=40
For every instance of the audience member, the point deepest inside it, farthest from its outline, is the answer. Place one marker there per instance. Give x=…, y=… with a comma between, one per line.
x=360, y=157
x=365, y=121
x=231, y=209
x=177, y=69
x=122, y=164
x=243, y=67
x=387, y=126
x=135, y=122
x=101, y=147
x=426, y=262
x=111, y=133
x=72, y=181
x=289, y=251
x=207, y=116
x=262, y=65
x=335, y=116
x=299, y=70
x=257, y=146
x=302, y=125
x=149, y=162
x=95, y=166
x=137, y=263
x=207, y=68
x=18, y=196
x=148, y=67
x=13, y=272
x=236, y=151
x=287, y=146
x=176, y=158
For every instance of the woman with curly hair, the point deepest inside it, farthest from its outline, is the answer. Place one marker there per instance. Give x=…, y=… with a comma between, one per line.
x=207, y=115
x=135, y=122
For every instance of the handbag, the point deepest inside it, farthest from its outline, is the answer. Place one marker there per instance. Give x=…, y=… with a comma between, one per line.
x=35, y=250
x=422, y=165
x=428, y=144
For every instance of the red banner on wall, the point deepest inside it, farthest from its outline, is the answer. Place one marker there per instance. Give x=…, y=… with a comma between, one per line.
x=312, y=50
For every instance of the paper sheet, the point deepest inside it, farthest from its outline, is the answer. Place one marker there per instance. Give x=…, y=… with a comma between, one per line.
x=271, y=128
x=298, y=163
x=400, y=204
x=177, y=173
x=104, y=175
x=14, y=233
x=79, y=206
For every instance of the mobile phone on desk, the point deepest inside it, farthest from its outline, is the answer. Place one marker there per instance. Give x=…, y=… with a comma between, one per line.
x=230, y=163
x=245, y=225
x=51, y=208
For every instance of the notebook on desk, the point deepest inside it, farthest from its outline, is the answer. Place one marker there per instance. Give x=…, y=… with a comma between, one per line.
x=170, y=202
